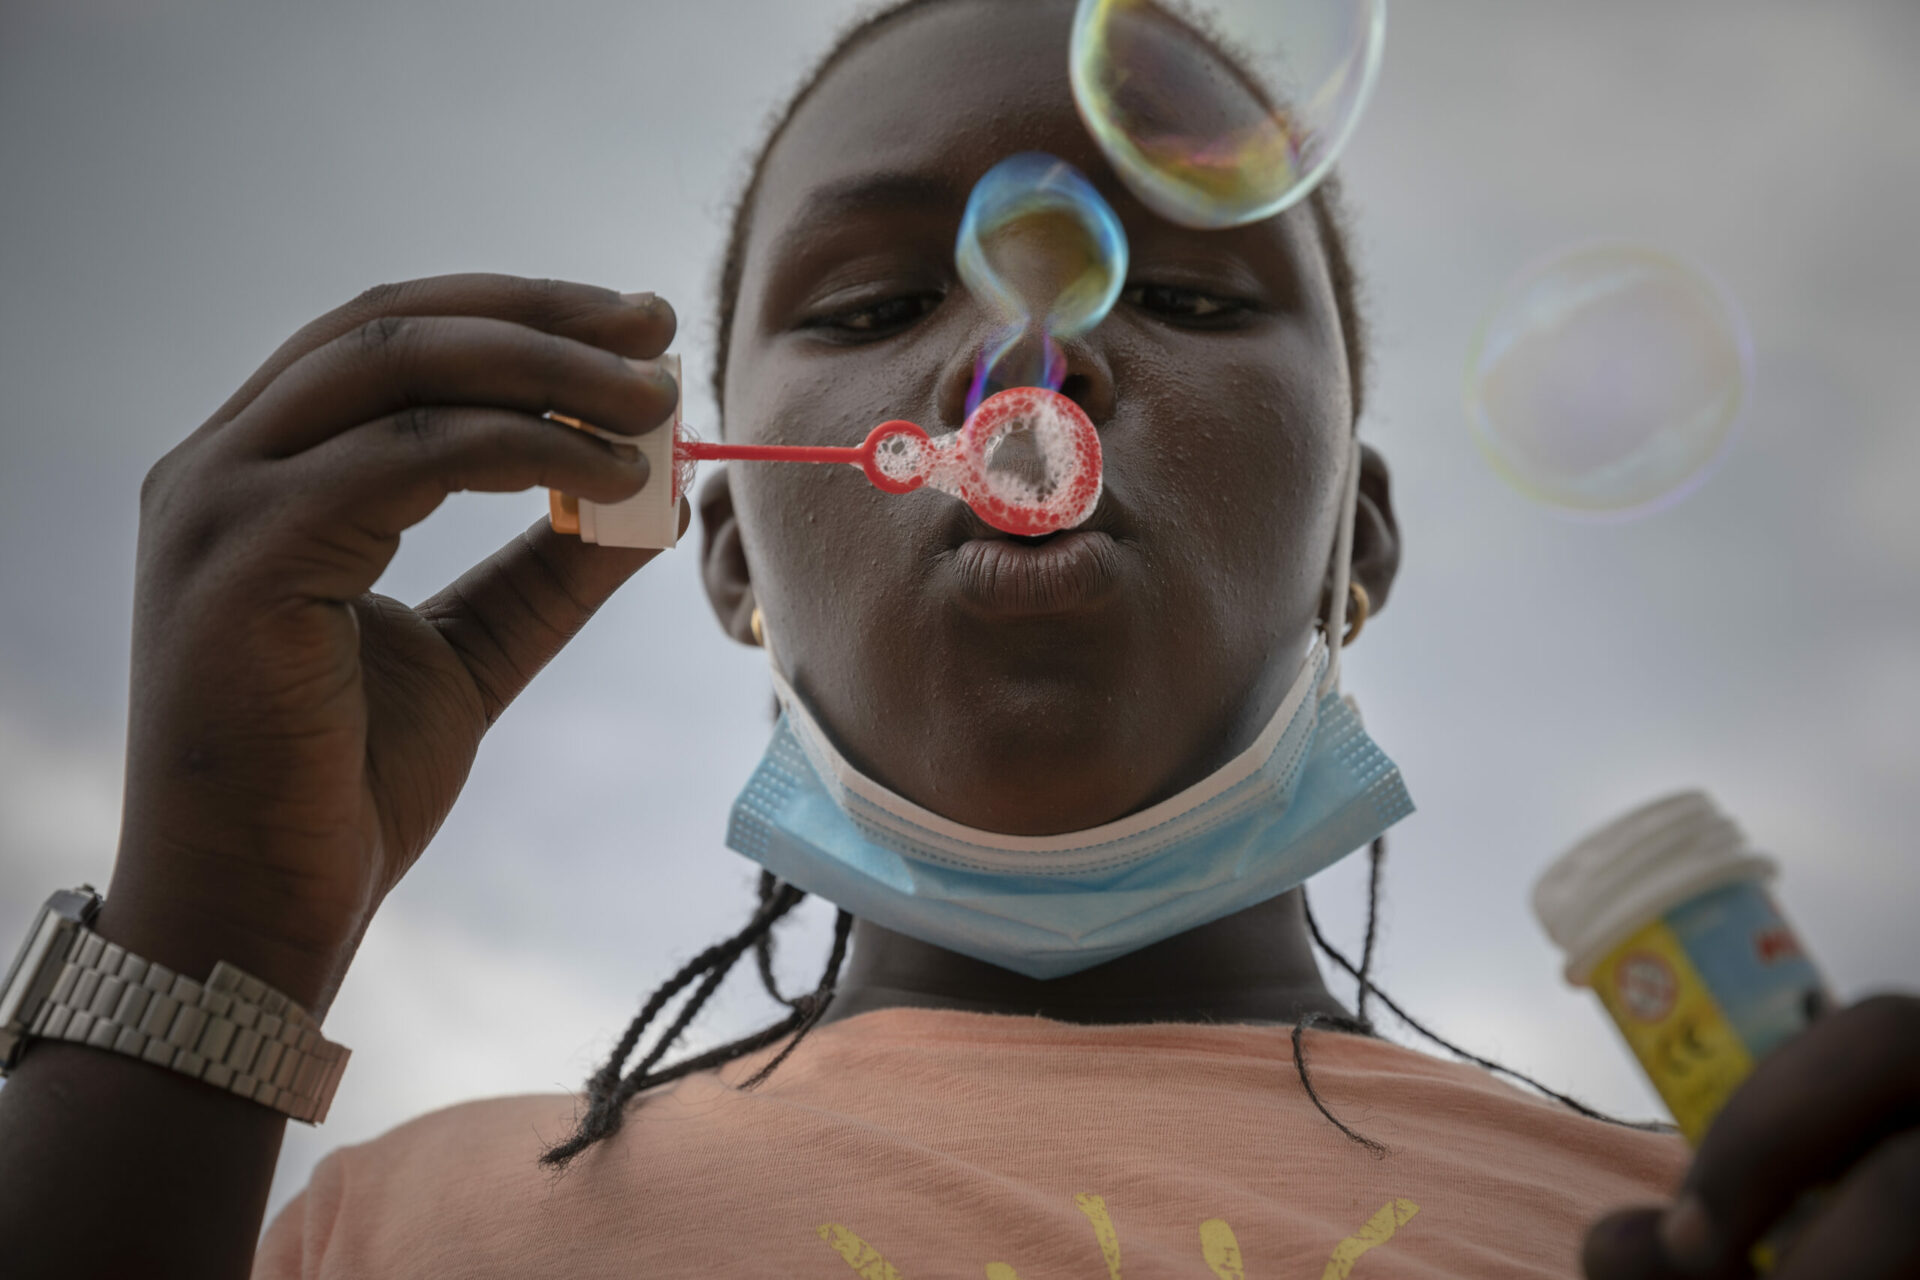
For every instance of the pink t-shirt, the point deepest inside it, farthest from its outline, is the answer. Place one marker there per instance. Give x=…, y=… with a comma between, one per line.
x=918, y=1145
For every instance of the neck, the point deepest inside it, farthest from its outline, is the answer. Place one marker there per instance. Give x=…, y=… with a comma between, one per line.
x=1254, y=966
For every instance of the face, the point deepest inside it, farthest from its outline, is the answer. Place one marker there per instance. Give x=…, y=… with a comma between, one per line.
x=1028, y=688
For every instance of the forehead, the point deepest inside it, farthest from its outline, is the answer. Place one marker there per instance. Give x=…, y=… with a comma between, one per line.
x=945, y=92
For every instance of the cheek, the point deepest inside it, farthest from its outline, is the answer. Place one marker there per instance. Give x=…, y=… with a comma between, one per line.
x=818, y=531
x=810, y=530
x=1244, y=453
x=834, y=562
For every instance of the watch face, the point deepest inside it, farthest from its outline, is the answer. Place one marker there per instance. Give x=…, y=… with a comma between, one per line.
x=18, y=998
x=34, y=966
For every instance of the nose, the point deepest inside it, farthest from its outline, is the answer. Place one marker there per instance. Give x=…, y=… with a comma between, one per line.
x=1088, y=380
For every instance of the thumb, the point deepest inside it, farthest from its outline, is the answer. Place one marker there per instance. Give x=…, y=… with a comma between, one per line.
x=1626, y=1246
x=510, y=614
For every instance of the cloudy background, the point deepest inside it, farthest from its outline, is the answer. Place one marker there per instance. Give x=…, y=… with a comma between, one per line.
x=185, y=182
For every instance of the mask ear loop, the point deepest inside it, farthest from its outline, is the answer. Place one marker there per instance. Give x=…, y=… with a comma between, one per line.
x=764, y=634
x=1342, y=572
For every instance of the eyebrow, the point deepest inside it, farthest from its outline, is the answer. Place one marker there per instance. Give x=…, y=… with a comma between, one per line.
x=868, y=192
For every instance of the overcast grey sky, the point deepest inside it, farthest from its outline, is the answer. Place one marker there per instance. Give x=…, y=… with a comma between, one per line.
x=185, y=182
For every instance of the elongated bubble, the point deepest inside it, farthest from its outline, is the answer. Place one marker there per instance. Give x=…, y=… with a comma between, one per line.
x=1226, y=112
x=1045, y=252
x=1608, y=380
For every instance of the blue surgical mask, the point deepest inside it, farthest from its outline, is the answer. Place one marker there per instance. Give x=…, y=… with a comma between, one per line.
x=1311, y=789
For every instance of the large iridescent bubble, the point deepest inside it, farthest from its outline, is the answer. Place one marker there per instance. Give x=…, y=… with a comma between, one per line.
x=1227, y=112
x=1046, y=254
x=1608, y=379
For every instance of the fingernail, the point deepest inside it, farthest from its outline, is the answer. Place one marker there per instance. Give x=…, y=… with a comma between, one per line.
x=625, y=452
x=639, y=299
x=657, y=372
x=1686, y=1233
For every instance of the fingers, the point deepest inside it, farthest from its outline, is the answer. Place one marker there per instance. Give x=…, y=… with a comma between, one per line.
x=356, y=494
x=1813, y=1108
x=392, y=364
x=1872, y=1229
x=510, y=614
x=640, y=326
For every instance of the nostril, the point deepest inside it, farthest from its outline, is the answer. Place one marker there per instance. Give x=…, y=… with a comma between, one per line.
x=1078, y=388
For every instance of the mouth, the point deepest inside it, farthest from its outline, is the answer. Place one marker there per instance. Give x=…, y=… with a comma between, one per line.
x=1006, y=575
x=1060, y=573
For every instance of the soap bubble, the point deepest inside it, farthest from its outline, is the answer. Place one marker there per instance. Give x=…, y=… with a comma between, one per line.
x=1607, y=380
x=1038, y=240
x=1208, y=142
x=1041, y=248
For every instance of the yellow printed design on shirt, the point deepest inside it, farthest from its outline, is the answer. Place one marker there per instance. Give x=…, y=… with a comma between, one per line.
x=1674, y=1026
x=1378, y=1230
x=1219, y=1248
x=861, y=1256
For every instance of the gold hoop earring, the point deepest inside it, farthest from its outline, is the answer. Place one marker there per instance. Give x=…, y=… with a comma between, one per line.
x=1358, y=607
x=757, y=625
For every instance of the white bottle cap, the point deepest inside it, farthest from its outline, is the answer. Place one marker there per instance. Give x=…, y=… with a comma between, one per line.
x=1635, y=869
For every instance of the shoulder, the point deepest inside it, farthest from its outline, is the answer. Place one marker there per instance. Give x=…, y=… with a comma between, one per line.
x=490, y=1143
x=461, y=1191
x=487, y=1128
x=466, y=1173
x=1464, y=1108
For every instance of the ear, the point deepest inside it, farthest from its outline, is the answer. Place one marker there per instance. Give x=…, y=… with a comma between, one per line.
x=723, y=559
x=1376, y=531
x=1376, y=537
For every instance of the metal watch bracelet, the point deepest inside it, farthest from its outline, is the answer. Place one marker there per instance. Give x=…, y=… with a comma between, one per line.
x=232, y=1031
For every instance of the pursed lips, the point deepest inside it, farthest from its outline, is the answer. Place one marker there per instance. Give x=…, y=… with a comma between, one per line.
x=1067, y=572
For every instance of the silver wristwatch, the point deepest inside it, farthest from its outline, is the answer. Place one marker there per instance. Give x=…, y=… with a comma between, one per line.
x=232, y=1031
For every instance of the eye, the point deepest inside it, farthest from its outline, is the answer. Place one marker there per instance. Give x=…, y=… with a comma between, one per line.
x=1181, y=304
x=868, y=321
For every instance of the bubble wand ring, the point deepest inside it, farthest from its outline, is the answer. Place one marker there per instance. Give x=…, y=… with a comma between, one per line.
x=1074, y=459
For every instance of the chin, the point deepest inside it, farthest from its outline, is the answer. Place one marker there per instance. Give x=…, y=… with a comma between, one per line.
x=1039, y=756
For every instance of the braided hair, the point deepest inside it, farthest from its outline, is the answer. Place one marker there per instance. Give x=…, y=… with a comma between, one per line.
x=611, y=1089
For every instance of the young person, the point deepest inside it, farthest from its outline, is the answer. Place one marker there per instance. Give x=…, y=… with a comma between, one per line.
x=296, y=741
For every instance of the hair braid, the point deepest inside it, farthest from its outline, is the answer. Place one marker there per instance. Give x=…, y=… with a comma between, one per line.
x=763, y=946
x=809, y=1008
x=1362, y=975
x=1376, y=858
x=770, y=910
x=611, y=1088
x=1377, y=1148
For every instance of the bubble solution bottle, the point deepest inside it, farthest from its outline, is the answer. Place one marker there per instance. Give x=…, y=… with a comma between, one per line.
x=1665, y=914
